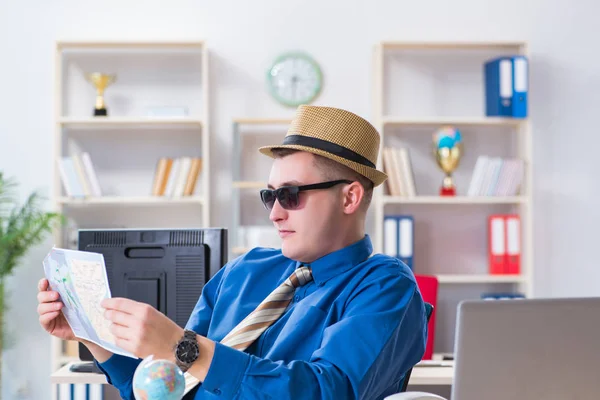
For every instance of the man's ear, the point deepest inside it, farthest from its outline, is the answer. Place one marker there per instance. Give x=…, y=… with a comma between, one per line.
x=353, y=195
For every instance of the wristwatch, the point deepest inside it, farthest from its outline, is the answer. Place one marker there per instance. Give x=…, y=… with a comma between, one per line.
x=187, y=350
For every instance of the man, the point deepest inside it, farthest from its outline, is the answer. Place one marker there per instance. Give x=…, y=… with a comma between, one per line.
x=318, y=319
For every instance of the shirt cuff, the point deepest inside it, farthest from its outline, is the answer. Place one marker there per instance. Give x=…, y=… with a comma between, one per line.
x=226, y=371
x=119, y=369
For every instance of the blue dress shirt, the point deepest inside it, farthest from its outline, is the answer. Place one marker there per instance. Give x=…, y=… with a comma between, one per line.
x=351, y=333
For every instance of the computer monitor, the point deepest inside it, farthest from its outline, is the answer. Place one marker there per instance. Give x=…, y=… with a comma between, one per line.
x=166, y=268
x=527, y=349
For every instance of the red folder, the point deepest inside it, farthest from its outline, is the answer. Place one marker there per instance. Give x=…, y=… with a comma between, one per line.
x=513, y=244
x=428, y=286
x=497, y=244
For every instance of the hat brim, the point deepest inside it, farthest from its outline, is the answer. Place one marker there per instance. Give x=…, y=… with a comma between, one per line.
x=374, y=175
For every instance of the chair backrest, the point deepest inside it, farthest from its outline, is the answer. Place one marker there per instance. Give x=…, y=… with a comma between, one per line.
x=428, y=285
x=429, y=311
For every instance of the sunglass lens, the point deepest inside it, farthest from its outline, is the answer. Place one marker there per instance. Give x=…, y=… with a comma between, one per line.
x=268, y=198
x=288, y=198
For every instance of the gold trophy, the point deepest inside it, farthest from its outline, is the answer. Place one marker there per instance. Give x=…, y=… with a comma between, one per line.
x=447, y=150
x=101, y=82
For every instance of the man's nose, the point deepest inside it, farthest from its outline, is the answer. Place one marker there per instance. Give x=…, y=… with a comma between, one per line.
x=277, y=212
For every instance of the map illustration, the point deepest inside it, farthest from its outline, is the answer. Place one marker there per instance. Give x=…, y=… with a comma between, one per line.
x=80, y=279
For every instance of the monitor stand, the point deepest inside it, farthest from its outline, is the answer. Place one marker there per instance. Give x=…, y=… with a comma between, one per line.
x=86, y=366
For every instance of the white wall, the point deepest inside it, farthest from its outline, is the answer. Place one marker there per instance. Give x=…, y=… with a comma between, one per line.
x=245, y=36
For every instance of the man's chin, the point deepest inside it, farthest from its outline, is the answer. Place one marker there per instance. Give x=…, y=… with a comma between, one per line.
x=288, y=249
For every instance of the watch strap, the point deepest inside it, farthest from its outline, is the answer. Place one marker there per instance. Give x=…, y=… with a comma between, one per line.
x=189, y=335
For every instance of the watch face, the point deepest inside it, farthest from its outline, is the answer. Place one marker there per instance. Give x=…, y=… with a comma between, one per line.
x=294, y=79
x=187, y=351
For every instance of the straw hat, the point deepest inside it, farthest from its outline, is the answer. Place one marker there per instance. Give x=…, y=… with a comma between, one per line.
x=336, y=134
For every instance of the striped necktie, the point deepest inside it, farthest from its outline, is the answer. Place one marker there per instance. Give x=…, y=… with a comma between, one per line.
x=267, y=312
x=263, y=316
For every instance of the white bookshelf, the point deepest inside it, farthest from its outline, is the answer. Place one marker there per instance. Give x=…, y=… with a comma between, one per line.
x=126, y=145
x=408, y=107
x=250, y=172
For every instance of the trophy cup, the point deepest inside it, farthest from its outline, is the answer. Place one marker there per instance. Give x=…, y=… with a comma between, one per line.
x=447, y=150
x=100, y=81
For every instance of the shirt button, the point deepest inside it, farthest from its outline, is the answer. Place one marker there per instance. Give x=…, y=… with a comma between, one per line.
x=217, y=392
x=297, y=298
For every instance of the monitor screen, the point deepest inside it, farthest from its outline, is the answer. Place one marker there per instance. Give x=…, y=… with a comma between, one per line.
x=166, y=268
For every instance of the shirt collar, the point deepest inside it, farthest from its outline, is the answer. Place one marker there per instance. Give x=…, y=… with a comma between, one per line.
x=339, y=261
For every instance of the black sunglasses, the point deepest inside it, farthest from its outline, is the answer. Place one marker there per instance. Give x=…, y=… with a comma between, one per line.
x=288, y=196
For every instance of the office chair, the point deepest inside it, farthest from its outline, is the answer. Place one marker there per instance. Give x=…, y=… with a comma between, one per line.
x=428, y=285
x=428, y=310
x=403, y=394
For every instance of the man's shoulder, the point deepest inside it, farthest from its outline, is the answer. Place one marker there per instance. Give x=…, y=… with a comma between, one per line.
x=384, y=266
x=383, y=281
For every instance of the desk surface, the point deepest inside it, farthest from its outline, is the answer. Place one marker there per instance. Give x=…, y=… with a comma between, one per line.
x=432, y=373
x=64, y=375
x=422, y=374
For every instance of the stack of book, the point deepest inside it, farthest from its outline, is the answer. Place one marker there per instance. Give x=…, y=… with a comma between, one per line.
x=78, y=176
x=176, y=177
x=495, y=176
x=397, y=165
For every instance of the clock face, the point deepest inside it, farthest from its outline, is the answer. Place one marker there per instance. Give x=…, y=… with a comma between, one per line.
x=294, y=79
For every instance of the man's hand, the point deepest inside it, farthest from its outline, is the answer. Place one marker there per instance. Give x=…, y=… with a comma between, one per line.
x=141, y=329
x=50, y=315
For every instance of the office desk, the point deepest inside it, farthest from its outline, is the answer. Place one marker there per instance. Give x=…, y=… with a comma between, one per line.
x=421, y=375
x=64, y=375
x=432, y=373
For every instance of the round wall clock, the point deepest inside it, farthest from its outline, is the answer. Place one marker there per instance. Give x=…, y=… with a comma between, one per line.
x=294, y=79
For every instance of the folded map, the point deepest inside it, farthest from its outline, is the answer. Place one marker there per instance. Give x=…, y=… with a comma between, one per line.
x=80, y=279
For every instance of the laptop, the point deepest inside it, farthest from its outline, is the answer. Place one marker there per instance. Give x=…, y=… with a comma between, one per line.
x=533, y=349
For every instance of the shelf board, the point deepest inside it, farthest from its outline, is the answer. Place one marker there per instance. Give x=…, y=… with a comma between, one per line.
x=134, y=200
x=481, y=278
x=262, y=121
x=466, y=45
x=457, y=121
x=239, y=250
x=466, y=200
x=129, y=122
x=129, y=44
x=249, y=185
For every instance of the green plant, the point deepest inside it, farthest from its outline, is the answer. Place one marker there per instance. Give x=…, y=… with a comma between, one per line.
x=22, y=226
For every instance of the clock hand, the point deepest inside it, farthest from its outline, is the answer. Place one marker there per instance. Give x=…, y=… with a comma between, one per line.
x=294, y=85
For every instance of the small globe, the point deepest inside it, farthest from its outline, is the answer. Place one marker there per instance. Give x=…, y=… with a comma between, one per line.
x=158, y=379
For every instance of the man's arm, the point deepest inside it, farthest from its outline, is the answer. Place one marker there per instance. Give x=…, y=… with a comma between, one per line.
x=119, y=369
x=381, y=335
x=100, y=354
